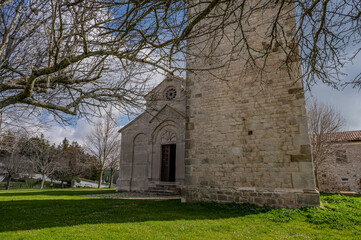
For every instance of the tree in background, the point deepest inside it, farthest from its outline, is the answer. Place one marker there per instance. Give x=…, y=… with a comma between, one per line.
x=21, y=155
x=73, y=161
x=103, y=142
x=61, y=171
x=42, y=156
x=94, y=170
x=323, y=122
x=113, y=163
x=12, y=163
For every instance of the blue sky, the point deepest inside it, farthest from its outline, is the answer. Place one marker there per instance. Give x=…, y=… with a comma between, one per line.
x=347, y=101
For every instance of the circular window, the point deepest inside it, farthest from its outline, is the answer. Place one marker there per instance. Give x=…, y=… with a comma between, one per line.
x=170, y=94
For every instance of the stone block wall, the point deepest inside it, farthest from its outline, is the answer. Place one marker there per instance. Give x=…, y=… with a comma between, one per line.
x=341, y=171
x=271, y=197
x=246, y=134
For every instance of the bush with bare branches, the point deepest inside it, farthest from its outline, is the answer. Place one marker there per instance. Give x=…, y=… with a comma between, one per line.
x=323, y=122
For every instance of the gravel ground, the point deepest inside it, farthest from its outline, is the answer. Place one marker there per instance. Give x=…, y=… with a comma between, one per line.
x=132, y=195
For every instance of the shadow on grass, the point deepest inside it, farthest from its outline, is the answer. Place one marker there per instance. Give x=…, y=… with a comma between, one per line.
x=55, y=192
x=37, y=214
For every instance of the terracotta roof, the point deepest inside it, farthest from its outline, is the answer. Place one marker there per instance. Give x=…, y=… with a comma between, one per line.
x=348, y=136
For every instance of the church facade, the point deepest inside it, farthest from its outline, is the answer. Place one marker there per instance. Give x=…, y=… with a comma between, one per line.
x=153, y=144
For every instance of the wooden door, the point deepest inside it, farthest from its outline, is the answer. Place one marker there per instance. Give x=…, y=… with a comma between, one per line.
x=168, y=163
x=165, y=163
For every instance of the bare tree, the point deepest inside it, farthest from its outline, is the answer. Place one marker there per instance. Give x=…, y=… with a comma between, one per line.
x=12, y=162
x=61, y=55
x=42, y=156
x=113, y=163
x=61, y=171
x=322, y=36
x=103, y=142
x=323, y=122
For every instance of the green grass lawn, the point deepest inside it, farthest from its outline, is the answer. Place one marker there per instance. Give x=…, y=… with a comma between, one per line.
x=33, y=183
x=63, y=214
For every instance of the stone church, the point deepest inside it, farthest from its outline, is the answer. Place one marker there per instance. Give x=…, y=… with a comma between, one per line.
x=225, y=134
x=152, y=149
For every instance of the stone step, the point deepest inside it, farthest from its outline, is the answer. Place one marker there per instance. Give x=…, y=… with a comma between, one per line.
x=161, y=194
x=164, y=190
x=161, y=188
x=161, y=191
x=165, y=187
x=164, y=183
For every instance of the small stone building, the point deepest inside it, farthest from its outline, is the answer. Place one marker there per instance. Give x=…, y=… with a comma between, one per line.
x=152, y=147
x=341, y=171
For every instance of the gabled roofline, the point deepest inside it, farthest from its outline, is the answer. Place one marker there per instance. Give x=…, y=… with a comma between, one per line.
x=152, y=91
x=165, y=79
x=165, y=106
x=140, y=115
x=131, y=122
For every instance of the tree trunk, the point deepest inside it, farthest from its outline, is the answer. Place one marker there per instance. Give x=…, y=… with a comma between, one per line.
x=111, y=179
x=316, y=178
x=72, y=184
x=8, y=183
x=42, y=181
x=26, y=182
x=62, y=183
x=100, y=177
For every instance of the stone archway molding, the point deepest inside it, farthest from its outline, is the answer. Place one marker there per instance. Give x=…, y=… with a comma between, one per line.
x=137, y=136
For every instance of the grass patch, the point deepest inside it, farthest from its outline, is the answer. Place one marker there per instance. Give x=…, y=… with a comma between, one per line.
x=32, y=183
x=63, y=214
x=93, y=181
x=339, y=212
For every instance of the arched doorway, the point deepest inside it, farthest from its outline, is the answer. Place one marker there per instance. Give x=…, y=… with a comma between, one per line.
x=167, y=157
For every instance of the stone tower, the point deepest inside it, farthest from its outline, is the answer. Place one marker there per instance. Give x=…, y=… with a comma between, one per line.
x=246, y=133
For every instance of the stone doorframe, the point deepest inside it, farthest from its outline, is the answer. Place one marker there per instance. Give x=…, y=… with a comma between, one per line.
x=168, y=132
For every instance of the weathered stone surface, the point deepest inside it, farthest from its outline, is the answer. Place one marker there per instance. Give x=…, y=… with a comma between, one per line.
x=163, y=122
x=259, y=196
x=341, y=171
x=252, y=131
x=240, y=138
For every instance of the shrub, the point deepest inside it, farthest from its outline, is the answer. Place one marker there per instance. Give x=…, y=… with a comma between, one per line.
x=340, y=212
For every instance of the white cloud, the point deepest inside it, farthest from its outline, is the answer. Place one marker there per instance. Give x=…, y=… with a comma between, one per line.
x=56, y=133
